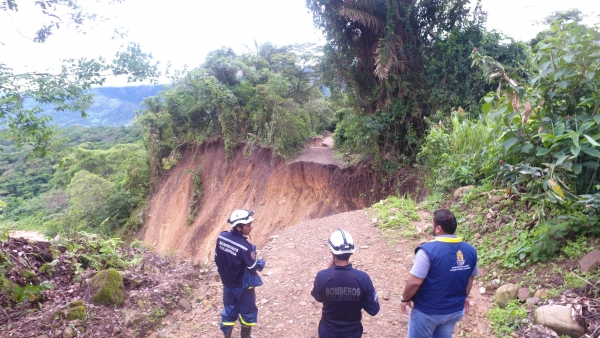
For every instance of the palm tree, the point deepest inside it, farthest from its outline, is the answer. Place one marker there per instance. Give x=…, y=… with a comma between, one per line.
x=377, y=48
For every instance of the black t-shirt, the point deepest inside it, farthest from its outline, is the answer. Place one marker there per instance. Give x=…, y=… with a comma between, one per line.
x=344, y=291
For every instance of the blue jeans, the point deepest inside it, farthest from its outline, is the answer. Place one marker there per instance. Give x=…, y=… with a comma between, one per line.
x=421, y=325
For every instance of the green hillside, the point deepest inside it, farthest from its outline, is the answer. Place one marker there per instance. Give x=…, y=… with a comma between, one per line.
x=112, y=106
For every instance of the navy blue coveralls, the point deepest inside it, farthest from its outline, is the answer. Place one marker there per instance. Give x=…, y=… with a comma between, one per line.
x=344, y=291
x=233, y=255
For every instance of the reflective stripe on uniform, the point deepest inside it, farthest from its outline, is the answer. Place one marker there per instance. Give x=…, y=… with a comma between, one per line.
x=448, y=239
x=253, y=265
x=234, y=243
x=228, y=323
x=245, y=323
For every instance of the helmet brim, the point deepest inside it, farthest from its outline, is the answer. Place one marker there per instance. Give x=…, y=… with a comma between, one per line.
x=243, y=222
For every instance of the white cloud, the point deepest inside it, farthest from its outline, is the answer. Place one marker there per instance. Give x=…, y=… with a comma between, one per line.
x=180, y=31
x=516, y=17
x=183, y=31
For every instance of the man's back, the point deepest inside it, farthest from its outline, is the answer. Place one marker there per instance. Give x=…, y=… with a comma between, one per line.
x=344, y=291
x=451, y=266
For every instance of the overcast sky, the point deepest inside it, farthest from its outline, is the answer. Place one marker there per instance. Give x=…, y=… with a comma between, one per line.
x=183, y=31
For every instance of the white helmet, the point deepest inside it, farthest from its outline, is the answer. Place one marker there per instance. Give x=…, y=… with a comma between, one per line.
x=341, y=242
x=241, y=216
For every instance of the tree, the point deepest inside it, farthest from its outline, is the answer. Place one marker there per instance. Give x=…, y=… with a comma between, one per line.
x=72, y=14
x=550, y=128
x=25, y=95
x=382, y=51
x=269, y=95
x=89, y=195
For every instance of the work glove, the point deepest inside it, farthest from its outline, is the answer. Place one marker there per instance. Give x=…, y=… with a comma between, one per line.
x=261, y=264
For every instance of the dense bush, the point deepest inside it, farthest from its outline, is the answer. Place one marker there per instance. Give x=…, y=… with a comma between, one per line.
x=396, y=63
x=550, y=128
x=71, y=197
x=268, y=95
x=540, y=139
x=464, y=152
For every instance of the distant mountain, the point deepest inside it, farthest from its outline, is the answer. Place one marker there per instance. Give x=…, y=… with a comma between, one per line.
x=113, y=106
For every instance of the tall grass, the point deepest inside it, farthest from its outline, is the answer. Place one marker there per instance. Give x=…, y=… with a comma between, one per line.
x=460, y=151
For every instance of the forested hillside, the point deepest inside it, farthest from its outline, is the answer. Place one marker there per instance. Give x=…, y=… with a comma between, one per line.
x=111, y=106
x=98, y=172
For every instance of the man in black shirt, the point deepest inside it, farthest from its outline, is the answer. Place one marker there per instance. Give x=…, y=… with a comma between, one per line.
x=344, y=292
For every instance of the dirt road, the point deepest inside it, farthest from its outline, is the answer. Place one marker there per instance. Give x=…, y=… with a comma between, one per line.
x=320, y=152
x=294, y=256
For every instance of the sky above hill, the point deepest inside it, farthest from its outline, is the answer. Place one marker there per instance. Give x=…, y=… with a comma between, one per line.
x=184, y=31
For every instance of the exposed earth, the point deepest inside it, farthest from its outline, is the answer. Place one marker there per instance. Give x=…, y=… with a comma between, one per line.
x=294, y=256
x=295, y=253
x=298, y=204
x=189, y=206
x=180, y=299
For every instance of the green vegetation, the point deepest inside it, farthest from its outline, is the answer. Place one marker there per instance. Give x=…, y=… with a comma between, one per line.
x=507, y=320
x=576, y=248
x=537, y=141
x=392, y=64
x=397, y=213
x=461, y=153
x=30, y=293
x=270, y=95
x=196, y=196
x=85, y=251
x=76, y=312
x=156, y=315
x=108, y=287
x=98, y=252
x=573, y=282
x=95, y=185
x=418, y=83
x=25, y=95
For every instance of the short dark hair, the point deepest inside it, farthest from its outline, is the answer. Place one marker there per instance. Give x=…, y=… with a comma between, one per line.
x=343, y=257
x=241, y=226
x=445, y=218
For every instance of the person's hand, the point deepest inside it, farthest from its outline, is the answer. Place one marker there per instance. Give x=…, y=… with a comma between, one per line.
x=404, y=307
x=467, y=305
x=261, y=264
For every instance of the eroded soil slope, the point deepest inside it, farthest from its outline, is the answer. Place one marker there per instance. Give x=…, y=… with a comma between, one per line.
x=282, y=194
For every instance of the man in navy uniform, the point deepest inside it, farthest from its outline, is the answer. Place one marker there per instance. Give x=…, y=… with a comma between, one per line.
x=440, y=281
x=234, y=255
x=344, y=291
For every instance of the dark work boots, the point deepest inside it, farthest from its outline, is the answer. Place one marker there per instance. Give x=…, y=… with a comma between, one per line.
x=246, y=331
